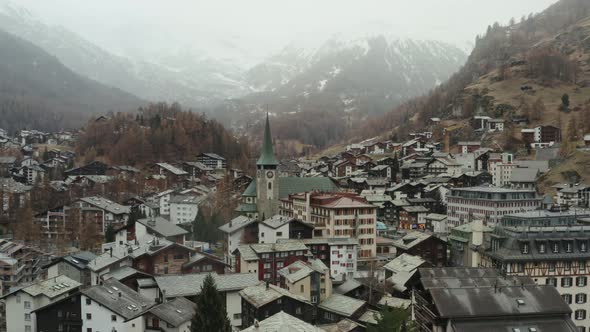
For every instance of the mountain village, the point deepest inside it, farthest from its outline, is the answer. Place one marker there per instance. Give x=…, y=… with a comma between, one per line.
x=462, y=240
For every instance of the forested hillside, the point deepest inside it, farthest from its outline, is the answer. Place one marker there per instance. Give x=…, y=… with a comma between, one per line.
x=156, y=133
x=520, y=69
x=37, y=91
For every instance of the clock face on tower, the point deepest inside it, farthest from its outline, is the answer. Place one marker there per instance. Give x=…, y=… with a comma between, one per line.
x=270, y=174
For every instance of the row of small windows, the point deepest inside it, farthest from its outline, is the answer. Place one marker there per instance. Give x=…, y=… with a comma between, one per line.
x=568, y=281
x=554, y=246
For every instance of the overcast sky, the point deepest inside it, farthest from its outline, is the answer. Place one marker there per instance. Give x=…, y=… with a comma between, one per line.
x=260, y=27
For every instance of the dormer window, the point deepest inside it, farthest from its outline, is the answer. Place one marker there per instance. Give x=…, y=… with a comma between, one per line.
x=525, y=248
x=583, y=246
x=555, y=247
x=542, y=248
x=568, y=246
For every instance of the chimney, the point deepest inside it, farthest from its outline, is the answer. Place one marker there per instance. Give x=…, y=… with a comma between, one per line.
x=119, y=294
x=267, y=284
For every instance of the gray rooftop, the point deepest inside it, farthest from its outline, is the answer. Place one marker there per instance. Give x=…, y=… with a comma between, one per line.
x=190, y=284
x=119, y=299
x=52, y=287
x=283, y=322
x=175, y=312
x=262, y=294
x=237, y=223
x=107, y=205
x=172, y=169
x=162, y=226
x=342, y=305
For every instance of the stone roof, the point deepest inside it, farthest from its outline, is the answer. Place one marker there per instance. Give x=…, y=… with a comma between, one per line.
x=342, y=305
x=263, y=293
x=524, y=175
x=236, y=223
x=172, y=169
x=190, y=284
x=345, y=325
x=119, y=299
x=162, y=226
x=403, y=268
x=52, y=287
x=282, y=321
x=13, y=187
x=107, y=205
x=175, y=312
x=411, y=239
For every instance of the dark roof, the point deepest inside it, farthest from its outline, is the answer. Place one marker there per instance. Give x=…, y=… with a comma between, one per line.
x=489, y=302
x=540, y=324
x=162, y=226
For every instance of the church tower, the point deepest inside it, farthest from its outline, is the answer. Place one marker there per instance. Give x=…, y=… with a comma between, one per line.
x=267, y=183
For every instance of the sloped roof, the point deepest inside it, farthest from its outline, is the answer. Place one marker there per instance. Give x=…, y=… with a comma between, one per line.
x=267, y=156
x=175, y=312
x=343, y=305
x=119, y=299
x=162, y=226
x=190, y=284
x=263, y=293
x=52, y=287
x=292, y=185
x=236, y=223
x=283, y=322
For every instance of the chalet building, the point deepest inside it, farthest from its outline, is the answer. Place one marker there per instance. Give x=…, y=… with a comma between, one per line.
x=283, y=319
x=184, y=208
x=160, y=227
x=265, y=300
x=496, y=125
x=336, y=215
x=203, y=262
x=61, y=315
x=212, y=160
x=427, y=246
x=102, y=211
x=161, y=257
x=381, y=171
x=266, y=259
x=21, y=304
x=402, y=272
x=570, y=194
x=169, y=287
x=281, y=227
x=308, y=279
x=524, y=178
x=73, y=266
x=339, y=254
x=7, y=163
x=93, y=168
x=413, y=217
x=19, y=264
x=239, y=231
x=343, y=168
x=261, y=199
x=461, y=239
x=488, y=203
x=174, y=176
x=196, y=169
x=338, y=307
x=495, y=303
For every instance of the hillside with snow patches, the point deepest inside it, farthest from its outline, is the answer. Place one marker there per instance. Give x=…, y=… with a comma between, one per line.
x=367, y=75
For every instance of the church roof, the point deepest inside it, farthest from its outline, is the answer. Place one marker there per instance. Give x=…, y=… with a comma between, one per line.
x=293, y=185
x=267, y=157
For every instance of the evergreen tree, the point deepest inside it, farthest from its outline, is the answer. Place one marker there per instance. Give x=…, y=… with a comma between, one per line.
x=211, y=314
x=565, y=102
x=109, y=234
x=393, y=320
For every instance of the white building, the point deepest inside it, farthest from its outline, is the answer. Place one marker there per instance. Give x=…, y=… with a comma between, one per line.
x=465, y=205
x=163, y=199
x=500, y=167
x=21, y=303
x=184, y=208
x=113, y=306
x=235, y=232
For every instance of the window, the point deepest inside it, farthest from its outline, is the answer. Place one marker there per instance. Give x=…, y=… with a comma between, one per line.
x=581, y=281
x=566, y=282
x=580, y=298
x=267, y=265
x=261, y=234
x=28, y=317
x=60, y=327
x=88, y=316
x=551, y=267
x=166, y=258
x=581, y=329
x=59, y=313
x=525, y=248
x=298, y=311
x=555, y=247
x=551, y=281
x=27, y=305
x=542, y=248
x=28, y=328
x=179, y=256
x=280, y=265
x=88, y=301
x=237, y=316
x=89, y=329
x=568, y=246
x=567, y=266
x=583, y=247
x=279, y=233
x=580, y=314
x=567, y=298
x=302, y=288
x=113, y=318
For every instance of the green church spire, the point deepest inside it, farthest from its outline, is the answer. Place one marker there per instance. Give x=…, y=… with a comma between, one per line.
x=267, y=157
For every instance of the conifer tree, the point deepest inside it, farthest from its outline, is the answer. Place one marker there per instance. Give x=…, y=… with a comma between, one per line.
x=211, y=314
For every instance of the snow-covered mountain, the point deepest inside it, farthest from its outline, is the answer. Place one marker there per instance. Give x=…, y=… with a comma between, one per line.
x=194, y=83
x=368, y=74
